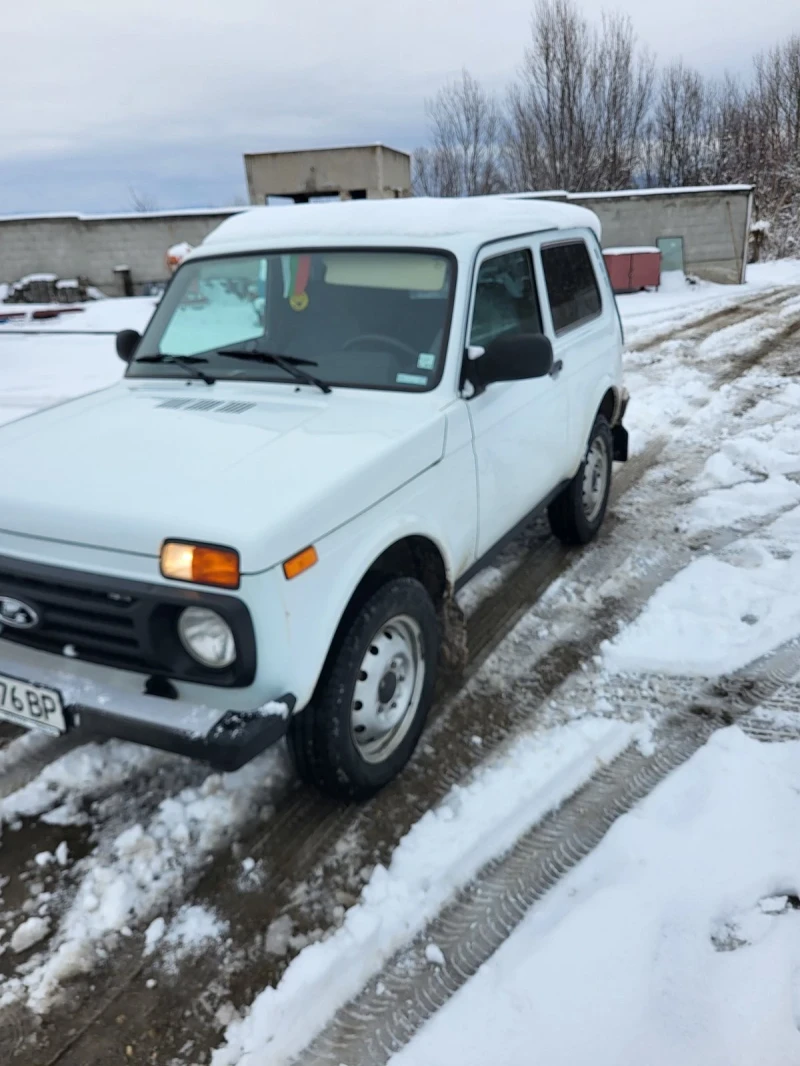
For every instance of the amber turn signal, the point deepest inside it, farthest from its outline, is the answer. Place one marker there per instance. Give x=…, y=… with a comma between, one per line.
x=298, y=564
x=200, y=564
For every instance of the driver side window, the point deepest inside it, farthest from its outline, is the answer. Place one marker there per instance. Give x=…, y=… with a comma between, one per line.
x=505, y=298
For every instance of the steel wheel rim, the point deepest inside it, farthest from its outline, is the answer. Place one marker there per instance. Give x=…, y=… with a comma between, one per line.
x=388, y=689
x=595, y=479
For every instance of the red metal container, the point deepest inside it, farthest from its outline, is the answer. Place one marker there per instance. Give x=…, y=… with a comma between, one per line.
x=632, y=269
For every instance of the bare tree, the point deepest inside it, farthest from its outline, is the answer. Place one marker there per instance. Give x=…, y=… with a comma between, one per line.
x=434, y=173
x=774, y=127
x=466, y=129
x=577, y=109
x=586, y=112
x=681, y=128
x=623, y=78
x=142, y=201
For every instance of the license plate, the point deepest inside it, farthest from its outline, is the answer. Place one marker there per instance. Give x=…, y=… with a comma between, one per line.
x=31, y=706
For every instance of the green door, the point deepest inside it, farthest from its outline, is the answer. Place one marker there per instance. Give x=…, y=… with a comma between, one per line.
x=671, y=249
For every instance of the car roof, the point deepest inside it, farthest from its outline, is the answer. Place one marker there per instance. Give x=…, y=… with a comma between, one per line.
x=448, y=223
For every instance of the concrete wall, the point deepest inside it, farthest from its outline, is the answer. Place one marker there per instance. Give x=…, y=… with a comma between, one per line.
x=91, y=246
x=374, y=168
x=713, y=223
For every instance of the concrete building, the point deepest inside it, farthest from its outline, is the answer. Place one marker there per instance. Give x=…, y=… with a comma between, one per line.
x=702, y=231
x=365, y=172
x=91, y=246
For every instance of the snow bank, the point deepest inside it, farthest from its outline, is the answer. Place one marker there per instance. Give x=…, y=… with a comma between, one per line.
x=713, y=618
x=728, y=507
x=632, y=958
x=778, y=272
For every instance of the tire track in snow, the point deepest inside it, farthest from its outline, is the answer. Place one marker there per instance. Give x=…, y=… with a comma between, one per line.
x=397, y=1001
x=697, y=329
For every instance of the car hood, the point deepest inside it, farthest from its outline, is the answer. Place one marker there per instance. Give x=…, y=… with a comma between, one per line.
x=265, y=473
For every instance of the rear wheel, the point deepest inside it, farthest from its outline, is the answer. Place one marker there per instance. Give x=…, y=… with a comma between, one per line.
x=578, y=512
x=370, y=706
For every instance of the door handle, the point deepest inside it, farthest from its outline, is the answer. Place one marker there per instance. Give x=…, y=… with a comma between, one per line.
x=557, y=367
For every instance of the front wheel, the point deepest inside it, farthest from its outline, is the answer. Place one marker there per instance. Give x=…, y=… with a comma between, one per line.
x=578, y=512
x=370, y=706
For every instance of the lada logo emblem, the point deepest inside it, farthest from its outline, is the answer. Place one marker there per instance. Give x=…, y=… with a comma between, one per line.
x=17, y=614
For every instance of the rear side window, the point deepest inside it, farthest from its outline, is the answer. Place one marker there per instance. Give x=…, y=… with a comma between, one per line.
x=505, y=298
x=571, y=284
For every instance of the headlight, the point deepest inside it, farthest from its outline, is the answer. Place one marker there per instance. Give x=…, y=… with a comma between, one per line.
x=207, y=637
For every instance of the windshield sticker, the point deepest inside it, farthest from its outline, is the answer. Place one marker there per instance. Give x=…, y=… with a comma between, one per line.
x=411, y=379
x=426, y=361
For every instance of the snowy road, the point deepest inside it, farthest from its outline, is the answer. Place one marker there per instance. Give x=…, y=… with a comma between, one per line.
x=163, y=899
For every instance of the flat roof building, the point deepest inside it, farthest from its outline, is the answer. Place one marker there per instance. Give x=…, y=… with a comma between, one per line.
x=356, y=172
x=702, y=230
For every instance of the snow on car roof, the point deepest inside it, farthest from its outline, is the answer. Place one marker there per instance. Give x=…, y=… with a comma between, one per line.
x=416, y=218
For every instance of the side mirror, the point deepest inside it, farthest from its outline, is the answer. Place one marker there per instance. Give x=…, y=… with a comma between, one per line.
x=513, y=357
x=127, y=341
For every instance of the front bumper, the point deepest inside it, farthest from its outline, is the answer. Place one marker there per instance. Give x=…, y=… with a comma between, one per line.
x=224, y=739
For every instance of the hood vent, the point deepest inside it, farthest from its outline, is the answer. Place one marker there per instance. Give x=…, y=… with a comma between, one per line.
x=234, y=407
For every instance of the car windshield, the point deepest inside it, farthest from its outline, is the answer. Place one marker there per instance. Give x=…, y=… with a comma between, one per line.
x=364, y=319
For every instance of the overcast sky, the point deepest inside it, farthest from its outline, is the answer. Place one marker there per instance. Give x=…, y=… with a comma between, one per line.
x=166, y=95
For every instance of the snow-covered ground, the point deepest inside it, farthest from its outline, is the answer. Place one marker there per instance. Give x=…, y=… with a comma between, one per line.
x=42, y=367
x=676, y=942
x=638, y=941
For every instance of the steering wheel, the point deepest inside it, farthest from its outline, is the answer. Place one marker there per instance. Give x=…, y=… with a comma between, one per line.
x=384, y=341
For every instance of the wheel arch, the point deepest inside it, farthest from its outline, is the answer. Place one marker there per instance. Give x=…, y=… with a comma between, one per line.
x=413, y=555
x=609, y=405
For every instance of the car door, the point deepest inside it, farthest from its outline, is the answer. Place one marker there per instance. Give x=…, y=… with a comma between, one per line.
x=519, y=427
x=580, y=319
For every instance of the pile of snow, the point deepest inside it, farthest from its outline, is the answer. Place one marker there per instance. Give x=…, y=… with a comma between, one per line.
x=193, y=930
x=29, y=933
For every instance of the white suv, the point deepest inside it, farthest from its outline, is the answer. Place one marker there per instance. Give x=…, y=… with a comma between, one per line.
x=334, y=417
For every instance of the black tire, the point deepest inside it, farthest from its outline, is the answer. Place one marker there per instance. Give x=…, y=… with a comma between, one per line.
x=321, y=737
x=570, y=519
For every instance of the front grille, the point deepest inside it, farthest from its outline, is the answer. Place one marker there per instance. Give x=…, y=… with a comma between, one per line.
x=89, y=623
x=124, y=624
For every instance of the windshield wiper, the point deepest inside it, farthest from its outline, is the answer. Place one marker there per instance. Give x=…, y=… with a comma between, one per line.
x=186, y=362
x=289, y=363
